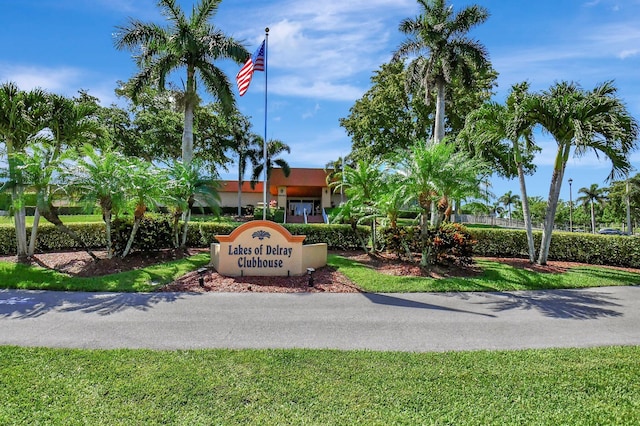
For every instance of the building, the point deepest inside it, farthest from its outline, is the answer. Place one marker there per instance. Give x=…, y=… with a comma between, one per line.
x=303, y=191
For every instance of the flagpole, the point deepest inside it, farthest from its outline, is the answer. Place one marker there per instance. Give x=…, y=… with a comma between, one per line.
x=264, y=143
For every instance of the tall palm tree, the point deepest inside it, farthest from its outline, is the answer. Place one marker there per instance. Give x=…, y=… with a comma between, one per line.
x=20, y=119
x=438, y=37
x=246, y=145
x=581, y=121
x=489, y=127
x=191, y=42
x=37, y=165
x=274, y=148
x=592, y=195
x=71, y=124
x=509, y=199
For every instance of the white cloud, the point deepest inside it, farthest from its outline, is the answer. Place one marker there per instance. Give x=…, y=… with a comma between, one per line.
x=62, y=80
x=311, y=113
x=327, y=48
x=317, y=89
x=31, y=77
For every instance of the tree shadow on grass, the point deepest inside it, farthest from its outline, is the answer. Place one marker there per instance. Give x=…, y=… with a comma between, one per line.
x=20, y=304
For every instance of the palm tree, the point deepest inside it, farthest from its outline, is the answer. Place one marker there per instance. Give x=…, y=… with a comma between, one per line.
x=508, y=200
x=145, y=185
x=363, y=185
x=20, y=120
x=490, y=126
x=246, y=145
x=333, y=170
x=71, y=124
x=99, y=176
x=193, y=43
x=581, y=121
x=37, y=165
x=436, y=172
x=592, y=195
x=274, y=148
x=438, y=37
x=186, y=183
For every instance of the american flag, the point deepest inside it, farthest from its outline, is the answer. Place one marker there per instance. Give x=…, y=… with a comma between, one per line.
x=254, y=63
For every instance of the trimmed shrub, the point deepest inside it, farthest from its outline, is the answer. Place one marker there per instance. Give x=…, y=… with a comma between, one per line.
x=50, y=239
x=155, y=233
x=337, y=237
x=566, y=246
x=451, y=243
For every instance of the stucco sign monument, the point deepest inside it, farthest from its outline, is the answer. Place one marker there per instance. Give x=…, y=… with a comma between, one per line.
x=265, y=248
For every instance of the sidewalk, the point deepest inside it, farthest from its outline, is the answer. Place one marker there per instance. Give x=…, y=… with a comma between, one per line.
x=398, y=322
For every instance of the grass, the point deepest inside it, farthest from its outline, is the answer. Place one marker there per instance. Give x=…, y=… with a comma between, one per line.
x=79, y=218
x=557, y=386
x=15, y=275
x=495, y=277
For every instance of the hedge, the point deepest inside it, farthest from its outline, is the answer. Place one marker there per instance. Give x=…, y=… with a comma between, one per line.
x=155, y=233
x=566, y=246
x=578, y=247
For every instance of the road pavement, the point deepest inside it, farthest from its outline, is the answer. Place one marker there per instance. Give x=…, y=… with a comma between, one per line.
x=418, y=322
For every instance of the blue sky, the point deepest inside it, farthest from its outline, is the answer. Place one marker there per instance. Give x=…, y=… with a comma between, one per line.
x=323, y=53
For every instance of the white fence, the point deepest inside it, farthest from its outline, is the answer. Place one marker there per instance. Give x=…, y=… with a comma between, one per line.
x=494, y=221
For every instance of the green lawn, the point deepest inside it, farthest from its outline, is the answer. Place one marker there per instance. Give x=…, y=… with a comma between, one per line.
x=14, y=275
x=79, y=218
x=321, y=387
x=496, y=277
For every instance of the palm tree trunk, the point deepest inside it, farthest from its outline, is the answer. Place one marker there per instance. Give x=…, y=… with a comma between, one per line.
x=189, y=105
x=527, y=214
x=20, y=217
x=134, y=231
x=552, y=203
x=185, y=228
x=106, y=215
x=593, y=219
x=425, y=261
x=34, y=232
x=440, y=111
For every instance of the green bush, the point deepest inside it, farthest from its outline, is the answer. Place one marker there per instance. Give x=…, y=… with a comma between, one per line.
x=342, y=237
x=50, y=239
x=566, y=246
x=451, y=243
x=5, y=201
x=155, y=233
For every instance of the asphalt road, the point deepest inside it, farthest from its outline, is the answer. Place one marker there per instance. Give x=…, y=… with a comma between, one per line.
x=399, y=322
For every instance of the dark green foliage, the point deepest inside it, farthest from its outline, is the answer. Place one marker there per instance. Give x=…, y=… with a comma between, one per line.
x=5, y=201
x=341, y=237
x=50, y=239
x=155, y=233
x=451, y=243
x=565, y=246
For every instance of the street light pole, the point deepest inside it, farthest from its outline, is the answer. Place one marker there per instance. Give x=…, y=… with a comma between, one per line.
x=570, y=206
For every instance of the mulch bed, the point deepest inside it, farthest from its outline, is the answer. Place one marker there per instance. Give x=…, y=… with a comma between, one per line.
x=326, y=279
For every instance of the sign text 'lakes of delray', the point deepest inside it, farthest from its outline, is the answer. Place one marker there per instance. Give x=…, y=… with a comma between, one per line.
x=260, y=256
